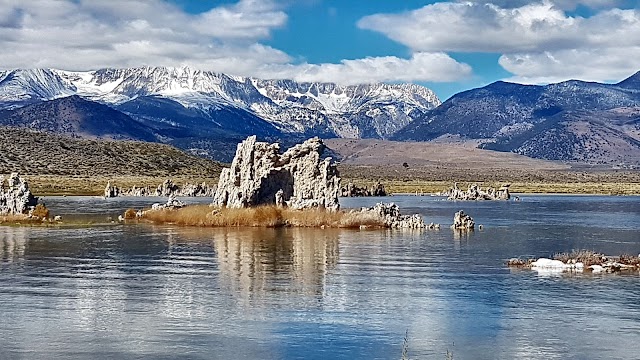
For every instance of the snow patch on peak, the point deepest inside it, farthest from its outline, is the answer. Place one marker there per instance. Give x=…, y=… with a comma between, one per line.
x=25, y=86
x=337, y=99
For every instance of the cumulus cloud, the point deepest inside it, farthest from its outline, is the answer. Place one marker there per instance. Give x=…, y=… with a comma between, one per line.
x=538, y=40
x=612, y=64
x=563, y=4
x=471, y=27
x=436, y=67
x=88, y=34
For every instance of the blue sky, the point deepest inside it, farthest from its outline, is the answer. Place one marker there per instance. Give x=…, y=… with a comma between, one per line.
x=448, y=46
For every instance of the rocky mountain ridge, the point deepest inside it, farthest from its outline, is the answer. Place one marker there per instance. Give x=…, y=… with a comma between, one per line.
x=373, y=110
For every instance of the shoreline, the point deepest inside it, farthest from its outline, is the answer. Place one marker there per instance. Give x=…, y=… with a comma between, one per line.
x=61, y=185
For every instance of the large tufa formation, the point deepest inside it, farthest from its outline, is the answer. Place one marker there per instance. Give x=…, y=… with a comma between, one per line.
x=298, y=178
x=474, y=192
x=390, y=214
x=15, y=197
x=462, y=221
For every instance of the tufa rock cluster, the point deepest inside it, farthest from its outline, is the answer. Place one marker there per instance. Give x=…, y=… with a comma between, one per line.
x=167, y=188
x=352, y=190
x=474, y=192
x=462, y=221
x=297, y=178
x=390, y=213
x=15, y=196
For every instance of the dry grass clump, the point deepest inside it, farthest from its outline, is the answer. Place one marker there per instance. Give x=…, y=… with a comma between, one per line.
x=39, y=214
x=130, y=214
x=17, y=218
x=587, y=257
x=261, y=216
x=40, y=211
x=627, y=259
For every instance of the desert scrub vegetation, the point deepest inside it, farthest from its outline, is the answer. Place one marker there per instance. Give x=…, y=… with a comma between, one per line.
x=38, y=153
x=261, y=216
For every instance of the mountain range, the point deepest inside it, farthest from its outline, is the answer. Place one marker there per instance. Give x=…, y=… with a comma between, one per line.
x=572, y=121
x=207, y=113
x=230, y=103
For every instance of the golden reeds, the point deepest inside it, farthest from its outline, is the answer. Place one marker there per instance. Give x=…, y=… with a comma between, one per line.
x=261, y=216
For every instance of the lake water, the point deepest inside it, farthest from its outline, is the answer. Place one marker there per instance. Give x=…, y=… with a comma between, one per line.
x=165, y=292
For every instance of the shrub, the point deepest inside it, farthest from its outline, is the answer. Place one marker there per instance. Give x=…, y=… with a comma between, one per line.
x=40, y=211
x=130, y=214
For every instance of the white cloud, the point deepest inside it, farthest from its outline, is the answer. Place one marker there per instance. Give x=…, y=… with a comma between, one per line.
x=471, y=27
x=436, y=67
x=562, y=4
x=89, y=34
x=537, y=40
x=612, y=64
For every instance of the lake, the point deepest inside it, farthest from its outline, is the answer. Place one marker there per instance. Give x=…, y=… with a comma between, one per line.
x=138, y=291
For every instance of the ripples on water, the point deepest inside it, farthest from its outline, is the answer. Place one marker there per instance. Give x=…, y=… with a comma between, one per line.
x=161, y=292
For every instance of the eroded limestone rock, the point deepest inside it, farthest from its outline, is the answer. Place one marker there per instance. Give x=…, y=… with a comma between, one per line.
x=475, y=192
x=259, y=172
x=167, y=188
x=462, y=221
x=390, y=213
x=171, y=204
x=111, y=191
x=352, y=190
x=15, y=196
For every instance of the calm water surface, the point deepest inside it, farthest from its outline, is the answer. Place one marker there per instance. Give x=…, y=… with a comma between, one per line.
x=163, y=292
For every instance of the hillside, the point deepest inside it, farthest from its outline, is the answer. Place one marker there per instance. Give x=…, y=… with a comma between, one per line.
x=77, y=117
x=38, y=153
x=571, y=121
x=443, y=154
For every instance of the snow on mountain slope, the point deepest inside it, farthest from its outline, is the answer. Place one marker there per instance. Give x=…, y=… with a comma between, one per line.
x=22, y=87
x=371, y=110
x=333, y=98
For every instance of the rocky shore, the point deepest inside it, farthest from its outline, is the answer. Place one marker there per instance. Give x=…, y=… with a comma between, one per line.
x=167, y=188
x=18, y=205
x=579, y=261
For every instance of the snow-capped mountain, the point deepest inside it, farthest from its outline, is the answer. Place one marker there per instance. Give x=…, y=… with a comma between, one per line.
x=375, y=110
x=23, y=87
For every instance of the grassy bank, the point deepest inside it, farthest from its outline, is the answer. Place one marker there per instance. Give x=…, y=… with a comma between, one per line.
x=430, y=179
x=396, y=179
x=261, y=216
x=429, y=187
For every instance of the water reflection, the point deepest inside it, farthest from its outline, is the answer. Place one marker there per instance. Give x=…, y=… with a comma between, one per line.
x=256, y=261
x=13, y=243
x=150, y=292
